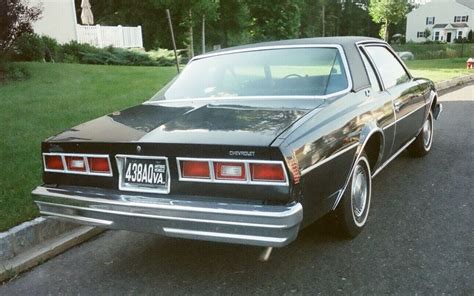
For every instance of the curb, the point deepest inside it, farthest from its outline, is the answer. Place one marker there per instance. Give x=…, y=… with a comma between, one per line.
x=455, y=82
x=46, y=250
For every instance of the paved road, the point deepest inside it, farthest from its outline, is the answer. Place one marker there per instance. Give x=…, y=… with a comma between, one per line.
x=419, y=240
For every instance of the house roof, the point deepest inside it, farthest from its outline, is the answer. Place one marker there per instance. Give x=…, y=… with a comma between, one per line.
x=468, y=3
x=454, y=25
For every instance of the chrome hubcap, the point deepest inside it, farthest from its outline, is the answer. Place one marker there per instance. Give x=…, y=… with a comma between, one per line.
x=427, y=132
x=359, y=191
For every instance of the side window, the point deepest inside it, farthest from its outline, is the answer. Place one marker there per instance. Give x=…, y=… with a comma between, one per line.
x=370, y=71
x=391, y=71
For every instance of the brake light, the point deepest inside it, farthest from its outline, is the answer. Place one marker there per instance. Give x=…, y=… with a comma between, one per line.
x=98, y=164
x=267, y=172
x=75, y=163
x=195, y=169
x=229, y=171
x=53, y=162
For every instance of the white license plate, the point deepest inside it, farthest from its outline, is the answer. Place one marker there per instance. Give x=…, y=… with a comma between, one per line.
x=143, y=173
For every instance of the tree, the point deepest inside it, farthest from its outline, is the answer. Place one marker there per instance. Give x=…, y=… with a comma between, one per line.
x=274, y=19
x=427, y=34
x=387, y=12
x=15, y=19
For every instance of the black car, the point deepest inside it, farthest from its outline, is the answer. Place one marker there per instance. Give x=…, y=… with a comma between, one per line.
x=247, y=145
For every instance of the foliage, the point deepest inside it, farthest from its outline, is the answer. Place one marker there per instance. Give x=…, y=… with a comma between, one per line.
x=274, y=20
x=56, y=97
x=387, y=12
x=436, y=50
x=52, y=49
x=234, y=22
x=29, y=47
x=15, y=19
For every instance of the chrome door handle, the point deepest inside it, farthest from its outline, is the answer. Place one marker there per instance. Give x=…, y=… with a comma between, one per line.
x=397, y=106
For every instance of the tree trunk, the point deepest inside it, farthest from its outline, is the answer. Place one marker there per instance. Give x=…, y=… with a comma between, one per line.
x=386, y=31
x=191, y=39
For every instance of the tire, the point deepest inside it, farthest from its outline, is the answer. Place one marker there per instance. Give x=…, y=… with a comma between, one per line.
x=353, y=209
x=422, y=145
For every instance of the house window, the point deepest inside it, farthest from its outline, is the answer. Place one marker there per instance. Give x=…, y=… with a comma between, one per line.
x=461, y=18
x=436, y=36
x=459, y=34
x=420, y=34
x=430, y=20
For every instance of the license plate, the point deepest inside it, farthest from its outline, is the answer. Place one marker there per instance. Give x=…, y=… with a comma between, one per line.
x=143, y=173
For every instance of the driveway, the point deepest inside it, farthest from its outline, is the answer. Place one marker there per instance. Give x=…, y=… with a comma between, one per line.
x=419, y=240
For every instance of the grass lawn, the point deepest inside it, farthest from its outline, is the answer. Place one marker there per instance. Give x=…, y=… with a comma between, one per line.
x=438, y=70
x=57, y=97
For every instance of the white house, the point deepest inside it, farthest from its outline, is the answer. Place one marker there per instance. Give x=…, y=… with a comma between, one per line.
x=447, y=20
x=59, y=21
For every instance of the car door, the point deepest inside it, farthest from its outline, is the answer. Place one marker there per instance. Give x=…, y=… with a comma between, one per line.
x=407, y=97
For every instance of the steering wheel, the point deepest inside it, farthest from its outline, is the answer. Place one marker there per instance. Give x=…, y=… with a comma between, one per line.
x=292, y=75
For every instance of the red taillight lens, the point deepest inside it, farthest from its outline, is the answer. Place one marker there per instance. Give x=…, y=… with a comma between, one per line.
x=99, y=165
x=53, y=162
x=229, y=171
x=195, y=169
x=75, y=163
x=267, y=172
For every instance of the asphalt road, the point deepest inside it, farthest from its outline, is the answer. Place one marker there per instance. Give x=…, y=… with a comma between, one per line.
x=419, y=240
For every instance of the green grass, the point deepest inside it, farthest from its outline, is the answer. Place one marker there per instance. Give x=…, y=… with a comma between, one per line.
x=57, y=97
x=439, y=69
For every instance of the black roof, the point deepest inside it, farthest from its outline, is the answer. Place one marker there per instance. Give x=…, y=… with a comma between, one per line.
x=359, y=76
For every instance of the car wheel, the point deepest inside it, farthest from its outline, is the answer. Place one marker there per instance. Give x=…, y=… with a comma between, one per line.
x=422, y=145
x=353, y=209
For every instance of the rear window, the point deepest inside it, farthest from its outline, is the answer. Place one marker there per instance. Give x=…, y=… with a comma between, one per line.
x=273, y=72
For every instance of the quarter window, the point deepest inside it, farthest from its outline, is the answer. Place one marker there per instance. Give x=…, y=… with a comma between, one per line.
x=391, y=71
x=371, y=72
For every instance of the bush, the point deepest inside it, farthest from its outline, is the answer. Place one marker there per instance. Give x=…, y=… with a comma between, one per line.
x=52, y=49
x=29, y=47
x=12, y=72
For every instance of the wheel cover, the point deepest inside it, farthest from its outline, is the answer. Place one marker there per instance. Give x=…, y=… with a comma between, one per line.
x=359, y=191
x=427, y=132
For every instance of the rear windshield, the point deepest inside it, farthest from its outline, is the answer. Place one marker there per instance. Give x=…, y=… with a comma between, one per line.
x=273, y=72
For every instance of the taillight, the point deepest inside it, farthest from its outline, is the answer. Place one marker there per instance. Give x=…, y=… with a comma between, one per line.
x=53, y=162
x=229, y=171
x=83, y=164
x=242, y=171
x=267, y=172
x=98, y=164
x=195, y=169
x=75, y=163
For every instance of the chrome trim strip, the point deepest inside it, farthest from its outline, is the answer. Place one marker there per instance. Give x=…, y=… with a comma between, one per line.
x=174, y=218
x=373, y=131
x=86, y=163
x=378, y=170
x=317, y=164
x=259, y=48
x=79, y=218
x=240, y=237
x=405, y=116
x=246, y=162
x=154, y=203
x=120, y=158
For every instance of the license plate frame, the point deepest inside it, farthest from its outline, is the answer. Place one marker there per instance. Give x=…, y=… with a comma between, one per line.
x=123, y=160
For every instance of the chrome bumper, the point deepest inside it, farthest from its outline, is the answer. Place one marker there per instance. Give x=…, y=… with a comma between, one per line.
x=259, y=225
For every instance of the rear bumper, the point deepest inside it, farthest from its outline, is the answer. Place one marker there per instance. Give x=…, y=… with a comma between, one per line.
x=259, y=225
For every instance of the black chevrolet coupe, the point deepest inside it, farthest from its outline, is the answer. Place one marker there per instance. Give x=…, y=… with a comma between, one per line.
x=247, y=145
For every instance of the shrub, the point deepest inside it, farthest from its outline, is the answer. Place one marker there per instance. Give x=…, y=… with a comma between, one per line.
x=29, y=47
x=52, y=49
x=12, y=72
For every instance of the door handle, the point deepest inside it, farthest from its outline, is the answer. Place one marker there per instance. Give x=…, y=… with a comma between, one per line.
x=397, y=106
